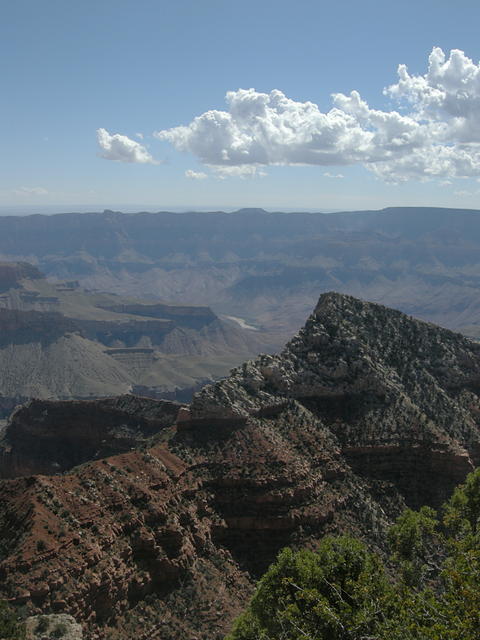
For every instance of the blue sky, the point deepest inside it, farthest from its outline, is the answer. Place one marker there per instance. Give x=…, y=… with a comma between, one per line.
x=125, y=68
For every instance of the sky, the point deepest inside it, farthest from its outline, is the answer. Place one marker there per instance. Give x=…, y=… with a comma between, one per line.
x=306, y=105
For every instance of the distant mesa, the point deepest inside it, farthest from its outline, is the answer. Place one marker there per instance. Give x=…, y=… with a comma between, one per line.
x=58, y=340
x=250, y=211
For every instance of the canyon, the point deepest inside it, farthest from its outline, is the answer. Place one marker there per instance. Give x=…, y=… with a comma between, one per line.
x=154, y=519
x=58, y=340
x=266, y=268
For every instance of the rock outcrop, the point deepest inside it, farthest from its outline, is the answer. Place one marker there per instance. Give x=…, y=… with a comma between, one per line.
x=26, y=327
x=12, y=274
x=45, y=436
x=399, y=395
x=364, y=411
x=55, y=625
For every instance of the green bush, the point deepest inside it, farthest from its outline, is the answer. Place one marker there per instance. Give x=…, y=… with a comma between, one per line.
x=59, y=631
x=10, y=625
x=342, y=591
x=330, y=593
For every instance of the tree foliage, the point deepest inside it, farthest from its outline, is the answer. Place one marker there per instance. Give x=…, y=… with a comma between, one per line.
x=10, y=625
x=428, y=589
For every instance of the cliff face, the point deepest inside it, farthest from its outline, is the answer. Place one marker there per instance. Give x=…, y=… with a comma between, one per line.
x=25, y=327
x=400, y=396
x=52, y=436
x=365, y=410
x=183, y=316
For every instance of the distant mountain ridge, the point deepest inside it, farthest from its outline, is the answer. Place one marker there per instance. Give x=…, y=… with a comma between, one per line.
x=266, y=268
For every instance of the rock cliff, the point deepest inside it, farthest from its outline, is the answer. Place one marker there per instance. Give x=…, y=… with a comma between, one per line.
x=12, y=274
x=364, y=411
x=399, y=395
x=45, y=436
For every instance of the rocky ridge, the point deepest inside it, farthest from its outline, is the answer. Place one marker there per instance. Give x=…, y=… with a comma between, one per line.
x=384, y=384
x=364, y=411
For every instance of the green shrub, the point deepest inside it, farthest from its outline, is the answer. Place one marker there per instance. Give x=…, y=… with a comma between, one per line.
x=343, y=592
x=42, y=624
x=10, y=625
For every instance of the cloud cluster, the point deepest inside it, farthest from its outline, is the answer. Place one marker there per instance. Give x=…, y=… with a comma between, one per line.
x=435, y=132
x=121, y=148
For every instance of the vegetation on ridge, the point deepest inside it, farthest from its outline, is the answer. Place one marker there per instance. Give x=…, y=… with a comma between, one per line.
x=428, y=589
x=10, y=624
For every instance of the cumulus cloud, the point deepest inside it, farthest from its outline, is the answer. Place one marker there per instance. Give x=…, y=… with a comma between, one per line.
x=195, y=175
x=121, y=148
x=434, y=134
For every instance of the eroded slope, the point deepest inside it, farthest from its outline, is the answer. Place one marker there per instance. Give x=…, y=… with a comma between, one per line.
x=364, y=411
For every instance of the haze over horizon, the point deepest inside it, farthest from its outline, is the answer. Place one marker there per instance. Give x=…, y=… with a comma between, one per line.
x=214, y=106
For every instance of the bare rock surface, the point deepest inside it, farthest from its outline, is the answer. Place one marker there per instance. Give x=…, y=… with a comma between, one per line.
x=366, y=410
x=47, y=436
x=399, y=395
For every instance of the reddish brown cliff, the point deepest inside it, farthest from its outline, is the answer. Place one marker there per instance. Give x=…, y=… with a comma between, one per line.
x=45, y=436
x=365, y=410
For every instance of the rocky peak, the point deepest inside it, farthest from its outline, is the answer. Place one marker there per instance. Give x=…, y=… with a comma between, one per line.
x=390, y=389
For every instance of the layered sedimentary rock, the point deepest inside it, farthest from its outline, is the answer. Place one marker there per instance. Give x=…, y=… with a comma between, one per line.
x=45, y=436
x=60, y=341
x=11, y=274
x=399, y=395
x=364, y=411
x=182, y=316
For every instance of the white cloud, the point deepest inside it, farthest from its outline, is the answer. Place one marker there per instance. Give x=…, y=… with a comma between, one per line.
x=195, y=175
x=240, y=171
x=438, y=136
x=263, y=129
x=327, y=174
x=122, y=149
x=31, y=191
